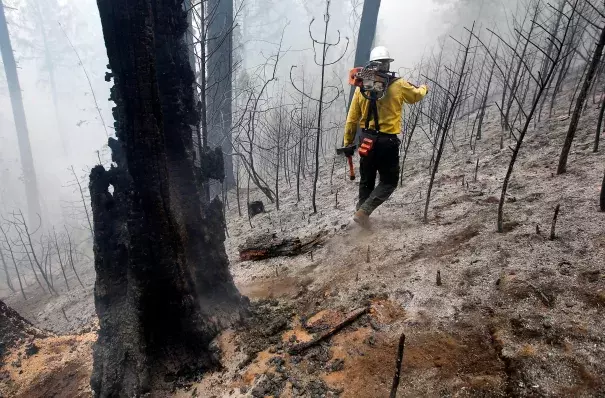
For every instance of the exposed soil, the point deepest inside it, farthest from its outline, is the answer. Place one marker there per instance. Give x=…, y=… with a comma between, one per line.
x=60, y=367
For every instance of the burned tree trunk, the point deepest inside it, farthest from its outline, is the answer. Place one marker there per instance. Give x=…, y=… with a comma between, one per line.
x=150, y=323
x=264, y=246
x=200, y=224
x=220, y=80
x=365, y=37
x=575, y=118
x=485, y=98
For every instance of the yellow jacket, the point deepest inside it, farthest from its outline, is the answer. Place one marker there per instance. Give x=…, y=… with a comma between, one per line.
x=389, y=109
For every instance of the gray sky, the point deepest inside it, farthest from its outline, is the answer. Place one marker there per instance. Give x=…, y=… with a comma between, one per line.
x=409, y=28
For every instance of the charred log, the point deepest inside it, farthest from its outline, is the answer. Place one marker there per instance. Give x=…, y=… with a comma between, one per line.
x=266, y=246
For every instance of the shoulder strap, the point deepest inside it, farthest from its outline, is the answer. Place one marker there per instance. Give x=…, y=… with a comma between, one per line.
x=373, y=114
x=373, y=108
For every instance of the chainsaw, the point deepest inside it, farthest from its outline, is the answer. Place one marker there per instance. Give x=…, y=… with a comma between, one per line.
x=348, y=151
x=372, y=82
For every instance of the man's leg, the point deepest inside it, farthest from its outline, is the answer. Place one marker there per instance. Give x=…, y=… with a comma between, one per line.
x=367, y=170
x=388, y=168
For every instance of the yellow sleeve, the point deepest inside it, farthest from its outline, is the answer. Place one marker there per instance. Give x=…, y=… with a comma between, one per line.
x=412, y=94
x=352, y=120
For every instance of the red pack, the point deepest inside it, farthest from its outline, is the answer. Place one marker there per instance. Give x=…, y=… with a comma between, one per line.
x=366, y=145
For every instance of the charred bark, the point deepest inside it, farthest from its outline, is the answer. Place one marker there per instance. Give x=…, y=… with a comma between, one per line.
x=262, y=247
x=151, y=323
x=204, y=246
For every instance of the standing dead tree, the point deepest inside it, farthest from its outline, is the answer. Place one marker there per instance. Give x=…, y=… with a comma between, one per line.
x=70, y=255
x=25, y=151
x=9, y=247
x=520, y=61
x=539, y=82
x=7, y=276
x=220, y=24
x=599, y=131
x=25, y=238
x=593, y=65
x=410, y=125
x=483, y=107
x=85, y=199
x=322, y=104
x=452, y=100
x=61, y=262
x=153, y=322
x=244, y=145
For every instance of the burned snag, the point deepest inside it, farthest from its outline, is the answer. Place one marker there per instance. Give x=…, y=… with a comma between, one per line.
x=151, y=323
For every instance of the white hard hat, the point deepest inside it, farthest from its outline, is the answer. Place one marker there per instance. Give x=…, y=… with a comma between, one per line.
x=380, y=54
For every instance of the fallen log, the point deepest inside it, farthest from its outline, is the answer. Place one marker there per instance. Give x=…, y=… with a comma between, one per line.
x=350, y=318
x=261, y=247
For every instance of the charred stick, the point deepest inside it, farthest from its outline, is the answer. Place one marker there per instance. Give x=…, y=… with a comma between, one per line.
x=553, y=236
x=351, y=317
x=397, y=376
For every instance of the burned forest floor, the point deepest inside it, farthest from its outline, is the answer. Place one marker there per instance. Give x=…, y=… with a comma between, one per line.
x=513, y=313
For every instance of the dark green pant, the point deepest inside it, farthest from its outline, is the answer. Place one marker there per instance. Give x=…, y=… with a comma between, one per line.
x=383, y=160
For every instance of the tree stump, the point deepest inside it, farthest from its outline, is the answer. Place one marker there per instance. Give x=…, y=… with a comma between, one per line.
x=255, y=208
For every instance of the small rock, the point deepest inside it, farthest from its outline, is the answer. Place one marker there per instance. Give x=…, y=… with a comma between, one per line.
x=375, y=325
x=337, y=365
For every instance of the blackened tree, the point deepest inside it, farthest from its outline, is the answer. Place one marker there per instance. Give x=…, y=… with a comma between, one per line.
x=159, y=300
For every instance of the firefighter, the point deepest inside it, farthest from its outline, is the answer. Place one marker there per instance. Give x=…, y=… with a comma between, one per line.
x=379, y=141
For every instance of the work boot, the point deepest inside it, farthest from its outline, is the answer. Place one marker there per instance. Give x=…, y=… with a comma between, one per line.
x=363, y=219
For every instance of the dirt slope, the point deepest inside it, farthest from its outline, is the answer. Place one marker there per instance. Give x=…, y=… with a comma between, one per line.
x=516, y=315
